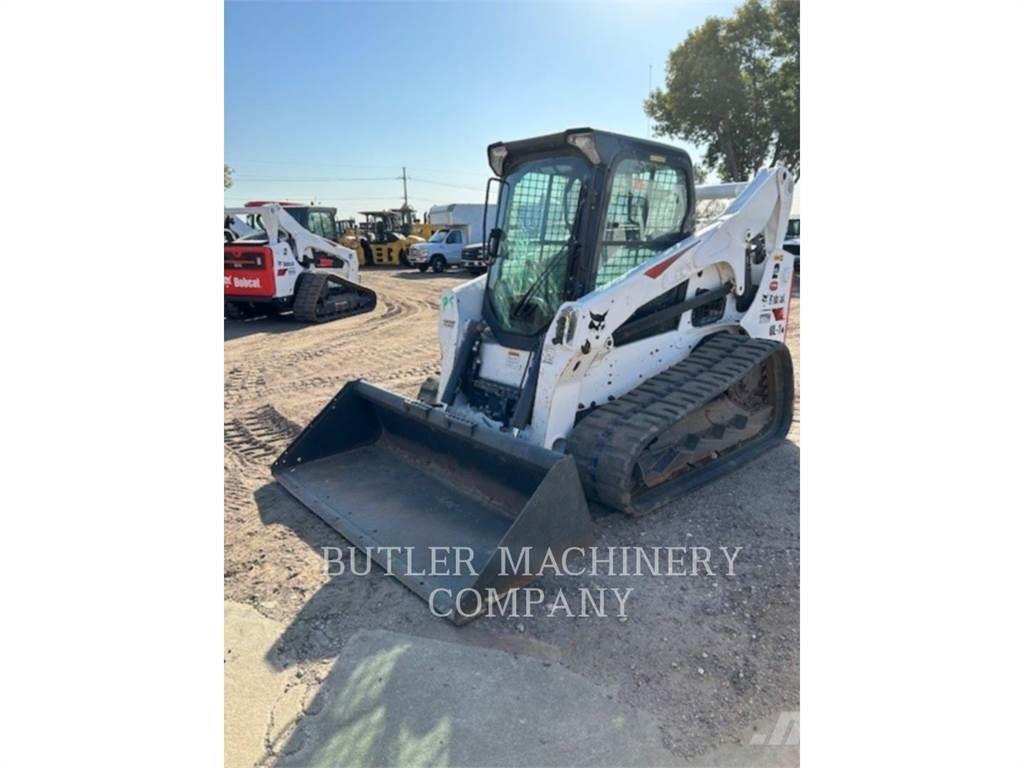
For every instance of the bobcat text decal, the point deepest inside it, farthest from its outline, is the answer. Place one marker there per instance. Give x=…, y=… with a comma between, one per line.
x=242, y=282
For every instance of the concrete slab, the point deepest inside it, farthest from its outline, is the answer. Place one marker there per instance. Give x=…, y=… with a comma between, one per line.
x=260, y=702
x=393, y=699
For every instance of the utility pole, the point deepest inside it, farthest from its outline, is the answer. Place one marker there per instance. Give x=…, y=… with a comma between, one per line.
x=405, y=188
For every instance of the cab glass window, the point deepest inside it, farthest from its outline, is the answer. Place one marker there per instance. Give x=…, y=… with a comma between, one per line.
x=537, y=220
x=301, y=215
x=313, y=223
x=325, y=224
x=646, y=213
x=330, y=227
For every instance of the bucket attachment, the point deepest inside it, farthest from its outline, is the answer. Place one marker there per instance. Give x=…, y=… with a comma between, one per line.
x=389, y=472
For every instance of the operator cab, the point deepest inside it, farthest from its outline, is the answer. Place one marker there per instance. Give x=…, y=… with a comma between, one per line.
x=317, y=219
x=576, y=211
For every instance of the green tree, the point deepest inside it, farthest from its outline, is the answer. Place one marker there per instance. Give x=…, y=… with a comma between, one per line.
x=228, y=170
x=734, y=86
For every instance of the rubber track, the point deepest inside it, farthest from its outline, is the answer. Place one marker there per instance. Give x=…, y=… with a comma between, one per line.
x=308, y=292
x=608, y=441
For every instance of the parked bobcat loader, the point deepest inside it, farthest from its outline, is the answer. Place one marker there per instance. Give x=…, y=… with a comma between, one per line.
x=612, y=354
x=285, y=266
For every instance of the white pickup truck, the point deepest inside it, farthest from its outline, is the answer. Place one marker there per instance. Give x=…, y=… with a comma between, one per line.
x=442, y=250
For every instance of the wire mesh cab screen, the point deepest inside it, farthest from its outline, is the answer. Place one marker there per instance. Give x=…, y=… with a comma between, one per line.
x=647, y=206
x=537, y=214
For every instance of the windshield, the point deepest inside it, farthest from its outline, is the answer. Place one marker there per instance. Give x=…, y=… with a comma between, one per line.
x=537, y=217
x=439, y=236
x=793, y=230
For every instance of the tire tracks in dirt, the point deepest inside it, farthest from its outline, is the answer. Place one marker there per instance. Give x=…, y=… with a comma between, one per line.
x=303, y=361
x=275, y=381
x=259, y=435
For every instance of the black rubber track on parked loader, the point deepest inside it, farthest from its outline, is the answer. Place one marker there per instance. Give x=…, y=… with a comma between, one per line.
x=321, y=297
x=611, y=443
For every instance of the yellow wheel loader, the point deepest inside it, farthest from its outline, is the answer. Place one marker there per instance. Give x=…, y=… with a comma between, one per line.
x=614, y=354
x=381, y=241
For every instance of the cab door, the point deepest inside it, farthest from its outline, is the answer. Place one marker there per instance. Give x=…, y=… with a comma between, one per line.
x=454, y=244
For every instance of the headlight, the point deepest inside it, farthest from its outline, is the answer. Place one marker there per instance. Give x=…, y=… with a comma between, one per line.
x=496, y=155
x=584, y=142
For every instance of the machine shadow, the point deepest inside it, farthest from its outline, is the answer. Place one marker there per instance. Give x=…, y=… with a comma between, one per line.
x=755, y=507
x=270, y=324
x=356, y=716
x=415, y=274
x=326, y=620
x=352, y=719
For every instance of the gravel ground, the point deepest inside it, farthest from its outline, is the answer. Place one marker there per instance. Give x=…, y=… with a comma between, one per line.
x=706, y=656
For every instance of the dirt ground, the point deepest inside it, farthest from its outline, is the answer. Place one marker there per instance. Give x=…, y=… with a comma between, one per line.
x=706, y=656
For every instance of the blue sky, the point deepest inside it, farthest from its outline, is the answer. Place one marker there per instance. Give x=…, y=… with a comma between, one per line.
x=357, y=90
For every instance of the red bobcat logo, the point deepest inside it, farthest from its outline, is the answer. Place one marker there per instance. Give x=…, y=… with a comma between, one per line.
x=242, y=282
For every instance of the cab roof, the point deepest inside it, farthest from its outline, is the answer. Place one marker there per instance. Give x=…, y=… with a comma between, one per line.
x=605, y=144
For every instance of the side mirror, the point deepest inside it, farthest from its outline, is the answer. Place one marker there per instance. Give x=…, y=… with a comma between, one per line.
x=493, y=242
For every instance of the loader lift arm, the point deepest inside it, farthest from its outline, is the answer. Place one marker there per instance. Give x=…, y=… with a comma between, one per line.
x=276, y=221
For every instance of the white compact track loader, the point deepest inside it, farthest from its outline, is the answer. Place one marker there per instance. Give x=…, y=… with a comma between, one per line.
x=284, y=266
x=613, y=353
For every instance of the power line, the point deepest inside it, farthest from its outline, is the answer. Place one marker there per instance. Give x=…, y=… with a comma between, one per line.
x=333, y=179
x=338, y=199
x=318, y=197
x=317, y=164
x=445, y=184
x=320, y=180
x=330, y=179
x=312, y=179
x=321, y=165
